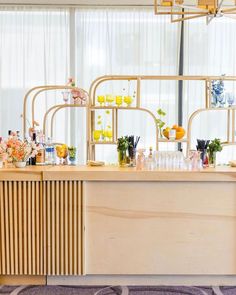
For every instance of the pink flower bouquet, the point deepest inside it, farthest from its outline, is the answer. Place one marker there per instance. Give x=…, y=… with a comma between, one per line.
x=20, y=151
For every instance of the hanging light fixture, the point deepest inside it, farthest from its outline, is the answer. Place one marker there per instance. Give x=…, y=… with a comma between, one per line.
x=181, y=10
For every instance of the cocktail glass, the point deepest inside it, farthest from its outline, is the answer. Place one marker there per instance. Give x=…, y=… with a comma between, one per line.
x=72, y=155
x=229, y=97
x=128, y=100
x=97, y=135
x=65, y=96
x=109, y=134
x=109, y=99
x=101, y=99
x=119, y=100
x=62, y=153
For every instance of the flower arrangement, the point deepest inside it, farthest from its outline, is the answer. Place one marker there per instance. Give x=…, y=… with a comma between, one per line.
x=17, y=150
x=78, y=94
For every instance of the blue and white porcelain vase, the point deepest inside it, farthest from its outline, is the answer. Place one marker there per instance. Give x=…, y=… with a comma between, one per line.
x=217, y=93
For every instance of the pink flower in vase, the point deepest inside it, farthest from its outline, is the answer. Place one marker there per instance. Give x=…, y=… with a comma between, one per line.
x=79, y=96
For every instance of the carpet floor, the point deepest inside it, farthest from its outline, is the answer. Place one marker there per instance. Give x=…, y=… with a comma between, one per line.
x=115, y=290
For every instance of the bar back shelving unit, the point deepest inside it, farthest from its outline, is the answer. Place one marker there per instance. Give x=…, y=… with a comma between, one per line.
x=138, y=79
x=92, y=107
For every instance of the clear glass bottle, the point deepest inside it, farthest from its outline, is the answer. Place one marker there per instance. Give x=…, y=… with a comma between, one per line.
x=40, y=157
x=150, y=160
x=140, y=164
x=49, y=152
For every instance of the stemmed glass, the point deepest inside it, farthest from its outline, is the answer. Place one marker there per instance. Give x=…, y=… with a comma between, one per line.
x=229, y=97
x=101, y=99
x=65, y=95
x=119, y=100
x=128, y=100
x=109, y=99
x=62, y=153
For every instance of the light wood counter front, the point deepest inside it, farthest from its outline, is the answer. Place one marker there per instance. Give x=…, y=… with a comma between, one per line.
x=113, y=173
x=65, y=220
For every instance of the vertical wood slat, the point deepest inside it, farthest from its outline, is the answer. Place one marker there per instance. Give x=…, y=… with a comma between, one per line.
x=63, y=223
x=40, y=228
x=20, y=227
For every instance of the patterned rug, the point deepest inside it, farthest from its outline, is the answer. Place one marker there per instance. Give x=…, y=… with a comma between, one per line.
x=115, y=290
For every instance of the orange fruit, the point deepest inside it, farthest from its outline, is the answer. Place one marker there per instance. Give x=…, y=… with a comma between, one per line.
x=180, y=134
x=175, y=126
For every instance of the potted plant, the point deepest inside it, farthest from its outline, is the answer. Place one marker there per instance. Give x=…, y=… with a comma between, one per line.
x=213, y=147
x=122, y=147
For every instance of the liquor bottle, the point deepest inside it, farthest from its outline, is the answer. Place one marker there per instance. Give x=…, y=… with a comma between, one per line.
x=150, y=164
x=40, y=157
x=18, y=135
x=9, y=134
x=32, y=160
x=49, y=152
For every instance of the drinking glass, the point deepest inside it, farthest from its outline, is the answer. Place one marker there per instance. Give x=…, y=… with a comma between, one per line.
x=101, y=99
x=65, y=96
x=128, y=100
x=109, y=134
x=229, y=97
x=109, y=99
x=119, y=100
x=97, y=134
x=62, y=153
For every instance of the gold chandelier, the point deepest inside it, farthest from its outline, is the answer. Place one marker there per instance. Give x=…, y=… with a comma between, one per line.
x=180, y=10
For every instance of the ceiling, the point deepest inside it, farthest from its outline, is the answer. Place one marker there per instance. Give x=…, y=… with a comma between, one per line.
x=79, y=2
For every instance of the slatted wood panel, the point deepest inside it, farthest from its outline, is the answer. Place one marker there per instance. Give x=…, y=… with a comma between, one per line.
x=21, y=220
x=62, y=227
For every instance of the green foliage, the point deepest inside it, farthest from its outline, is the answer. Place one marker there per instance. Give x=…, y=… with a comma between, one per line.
x=160, y=112
x=72, y=151
x=122, y=144
x=215, y=146
x=159, y=122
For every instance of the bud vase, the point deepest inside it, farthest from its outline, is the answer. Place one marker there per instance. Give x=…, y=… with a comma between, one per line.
x=122, y=158
x=212, y=159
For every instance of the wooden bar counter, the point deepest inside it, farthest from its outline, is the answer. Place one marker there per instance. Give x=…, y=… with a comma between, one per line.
x=80, y=221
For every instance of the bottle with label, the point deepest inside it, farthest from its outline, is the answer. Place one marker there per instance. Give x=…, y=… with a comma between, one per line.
x=9, y=134
x=150, y=160
x=40, y=157
x=32, y=160
x=49, y=152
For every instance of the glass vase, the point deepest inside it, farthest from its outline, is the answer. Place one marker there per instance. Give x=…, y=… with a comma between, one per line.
x=212, y=159
x=122, y=158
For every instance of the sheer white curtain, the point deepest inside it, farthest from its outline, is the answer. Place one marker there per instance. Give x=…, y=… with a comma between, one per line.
x=33, y=51
x=209, y=50
x=129, y=42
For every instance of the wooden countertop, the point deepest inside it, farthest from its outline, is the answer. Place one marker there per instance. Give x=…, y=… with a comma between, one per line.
x=113, y=173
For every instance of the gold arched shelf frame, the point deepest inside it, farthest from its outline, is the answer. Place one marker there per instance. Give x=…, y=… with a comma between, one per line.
x=230, y=124
x=55, y=109
x=60, y=108
x=39, y=90
x=115, y=110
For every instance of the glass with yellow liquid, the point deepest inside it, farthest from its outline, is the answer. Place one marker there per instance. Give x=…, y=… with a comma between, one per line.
x=109, y=134
x=101, y=100
x=128, y=100
x=119, y=100
x=109, y=99
x=97, y=134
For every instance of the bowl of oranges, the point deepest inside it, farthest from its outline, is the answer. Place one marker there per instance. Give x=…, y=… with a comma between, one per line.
x=180, y=132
